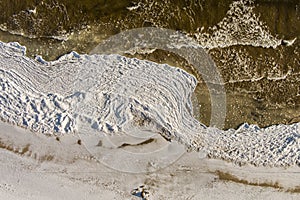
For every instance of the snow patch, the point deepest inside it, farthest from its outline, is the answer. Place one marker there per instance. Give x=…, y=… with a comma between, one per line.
x=116, y=95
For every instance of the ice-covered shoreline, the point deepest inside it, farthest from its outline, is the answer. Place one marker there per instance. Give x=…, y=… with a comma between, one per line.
x=116, y=94
x=37, y=167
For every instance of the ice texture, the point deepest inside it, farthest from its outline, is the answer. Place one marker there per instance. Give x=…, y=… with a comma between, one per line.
x=114, y=94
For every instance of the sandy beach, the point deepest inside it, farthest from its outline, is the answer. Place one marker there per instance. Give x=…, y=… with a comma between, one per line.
x=39, y=167
x=149, y=99
x=136, y=149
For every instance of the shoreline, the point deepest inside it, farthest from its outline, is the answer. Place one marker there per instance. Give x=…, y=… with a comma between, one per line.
x=188, y=177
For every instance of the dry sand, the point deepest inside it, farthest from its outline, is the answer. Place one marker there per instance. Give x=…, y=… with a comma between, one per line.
x=35, y=166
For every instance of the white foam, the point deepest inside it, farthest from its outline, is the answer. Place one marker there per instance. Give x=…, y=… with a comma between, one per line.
x=116, y=94
x=240, y=26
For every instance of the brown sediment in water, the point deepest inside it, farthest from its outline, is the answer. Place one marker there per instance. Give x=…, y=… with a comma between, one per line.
x=282, y=17
x=256, y=102
x=262, y=84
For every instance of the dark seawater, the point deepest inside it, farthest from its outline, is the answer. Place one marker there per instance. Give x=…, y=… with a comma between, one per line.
x=262, y=81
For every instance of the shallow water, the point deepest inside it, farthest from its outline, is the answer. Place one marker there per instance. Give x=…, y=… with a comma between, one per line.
x=260, y=72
